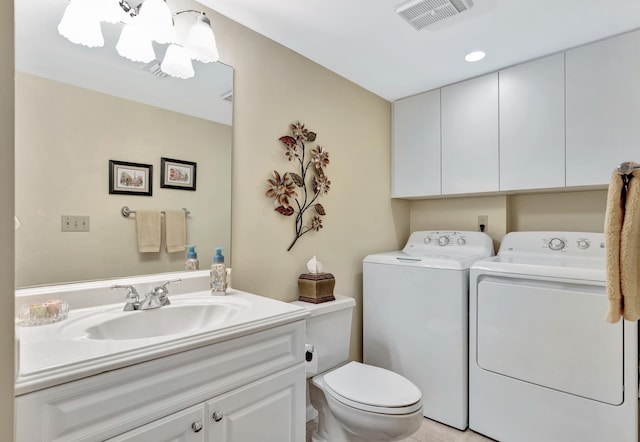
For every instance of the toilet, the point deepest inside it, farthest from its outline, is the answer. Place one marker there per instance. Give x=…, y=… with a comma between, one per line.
x=354, y=401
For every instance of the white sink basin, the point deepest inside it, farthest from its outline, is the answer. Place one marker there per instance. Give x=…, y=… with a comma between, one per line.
x=168, y=320
x=184, y=316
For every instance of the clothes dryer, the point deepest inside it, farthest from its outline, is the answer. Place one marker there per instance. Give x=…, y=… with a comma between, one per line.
x=544, y=363
x=415, y=316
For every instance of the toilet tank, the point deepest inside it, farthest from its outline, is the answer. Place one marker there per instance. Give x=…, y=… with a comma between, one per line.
x=329, y=332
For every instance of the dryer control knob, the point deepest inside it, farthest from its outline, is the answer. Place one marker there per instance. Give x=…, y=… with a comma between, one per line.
x=443, y=240
x=461, y=241
x=556, y=244
x=583, y=244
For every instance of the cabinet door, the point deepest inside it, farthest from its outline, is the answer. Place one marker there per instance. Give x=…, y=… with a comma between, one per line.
x=470, y=136
x=269, y=410
x=532, y=125
x=183, y=426
x=603, y=108
x=416, y=146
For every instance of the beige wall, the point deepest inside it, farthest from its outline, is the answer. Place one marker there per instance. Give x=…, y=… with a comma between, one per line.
x=561, y=211
x=62, y=169
x=273, y=88
x=6, y=222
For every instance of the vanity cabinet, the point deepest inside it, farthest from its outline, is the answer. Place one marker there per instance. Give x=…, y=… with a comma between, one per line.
x=260, y=411
x=184, y=426
x=249, y=387
x=532, y=125
x=603, y=108
x=416, y=146
x=470, y=136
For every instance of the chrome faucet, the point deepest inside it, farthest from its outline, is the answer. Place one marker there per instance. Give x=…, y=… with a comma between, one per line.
x=157, y=297
x=132, y=300
x=154, y=299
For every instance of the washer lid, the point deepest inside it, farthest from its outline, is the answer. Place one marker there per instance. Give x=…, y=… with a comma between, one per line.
x=372, y=386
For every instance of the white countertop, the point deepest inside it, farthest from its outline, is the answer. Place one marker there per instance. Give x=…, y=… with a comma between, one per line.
x=56, y=353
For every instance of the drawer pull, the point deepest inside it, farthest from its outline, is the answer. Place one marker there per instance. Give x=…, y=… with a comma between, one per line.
x=196, y=426
x=217, y=416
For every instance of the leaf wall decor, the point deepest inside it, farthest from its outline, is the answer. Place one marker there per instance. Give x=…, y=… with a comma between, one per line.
x=294, y=193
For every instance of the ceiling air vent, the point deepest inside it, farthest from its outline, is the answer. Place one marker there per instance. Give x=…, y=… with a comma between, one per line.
x=422, y=13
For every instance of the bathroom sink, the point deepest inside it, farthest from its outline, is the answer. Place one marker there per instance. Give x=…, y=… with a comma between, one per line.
x=168, y=320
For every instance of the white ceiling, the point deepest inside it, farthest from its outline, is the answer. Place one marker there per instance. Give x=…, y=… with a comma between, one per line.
x=41, y=51
x=366, y=42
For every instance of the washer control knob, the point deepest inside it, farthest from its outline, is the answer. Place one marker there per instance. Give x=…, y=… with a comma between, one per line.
x=443, y=240
x=427, y=240
x=556, y=244
x=583, y=244
x=461, y=241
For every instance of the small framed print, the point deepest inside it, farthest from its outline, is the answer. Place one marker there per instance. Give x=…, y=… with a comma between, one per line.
x=130, y=178
x=177, y=174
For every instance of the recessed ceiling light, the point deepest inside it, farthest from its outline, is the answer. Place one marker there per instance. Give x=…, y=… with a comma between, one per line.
x=474, y=56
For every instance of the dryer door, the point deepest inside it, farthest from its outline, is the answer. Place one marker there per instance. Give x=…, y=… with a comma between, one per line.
x=551, y=334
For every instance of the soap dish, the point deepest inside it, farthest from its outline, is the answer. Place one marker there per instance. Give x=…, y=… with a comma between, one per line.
x=42, y=313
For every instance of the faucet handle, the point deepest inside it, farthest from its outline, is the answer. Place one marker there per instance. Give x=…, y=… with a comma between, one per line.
x=162, y=291
x=171, y=281
x=132, y=300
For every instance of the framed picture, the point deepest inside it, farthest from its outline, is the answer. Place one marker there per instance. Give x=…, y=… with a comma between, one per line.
x=130, y=178
x=177, y=174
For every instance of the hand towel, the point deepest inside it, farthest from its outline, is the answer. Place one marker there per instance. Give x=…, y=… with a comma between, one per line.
x=612, y=230
x=175, y=230
x=629, y=251
x=148, y=228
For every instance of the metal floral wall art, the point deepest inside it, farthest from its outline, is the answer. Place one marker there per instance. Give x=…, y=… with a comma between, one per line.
x=295, y=193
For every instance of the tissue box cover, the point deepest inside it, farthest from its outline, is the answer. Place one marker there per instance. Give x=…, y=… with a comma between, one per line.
x=316, y=287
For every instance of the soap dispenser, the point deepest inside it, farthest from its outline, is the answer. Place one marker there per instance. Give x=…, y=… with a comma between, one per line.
x=218, y=274
x=192, y=262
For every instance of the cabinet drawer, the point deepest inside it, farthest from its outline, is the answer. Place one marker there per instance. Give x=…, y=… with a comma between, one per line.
x=111, y=403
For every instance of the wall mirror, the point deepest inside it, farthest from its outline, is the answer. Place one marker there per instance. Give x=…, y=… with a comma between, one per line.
x=77, y=108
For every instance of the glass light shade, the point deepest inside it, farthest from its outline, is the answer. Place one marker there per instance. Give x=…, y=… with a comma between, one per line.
x=177, y=62
x=110, y=11
x=201, y=42
x=135, y=45
x=155, y=18
x=80, y=25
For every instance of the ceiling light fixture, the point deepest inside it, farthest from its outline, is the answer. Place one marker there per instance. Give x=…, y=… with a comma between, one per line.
x=150, y=21
x=474, y=56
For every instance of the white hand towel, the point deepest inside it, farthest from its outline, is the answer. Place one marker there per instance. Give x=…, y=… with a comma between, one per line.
x=175, y=227
x=148, y=228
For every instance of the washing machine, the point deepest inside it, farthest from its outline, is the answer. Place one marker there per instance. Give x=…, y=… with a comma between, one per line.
x=544, y=363
x=415, y=316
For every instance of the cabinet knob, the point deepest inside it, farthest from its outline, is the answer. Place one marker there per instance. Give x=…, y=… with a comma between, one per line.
x=196, y=426
x=217, y=416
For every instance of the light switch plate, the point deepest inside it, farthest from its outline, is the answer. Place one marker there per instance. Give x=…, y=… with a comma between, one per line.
x=73, y=223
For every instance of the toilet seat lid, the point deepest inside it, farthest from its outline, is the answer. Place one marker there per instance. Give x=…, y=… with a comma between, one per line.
x=368, y=387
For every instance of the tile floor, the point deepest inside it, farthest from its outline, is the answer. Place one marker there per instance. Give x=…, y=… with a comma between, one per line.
x=432, y=431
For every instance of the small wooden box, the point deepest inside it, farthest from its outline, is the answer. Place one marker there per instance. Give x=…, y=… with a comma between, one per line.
x=316, y=287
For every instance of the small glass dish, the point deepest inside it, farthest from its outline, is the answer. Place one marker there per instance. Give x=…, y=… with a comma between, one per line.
x=41, y=313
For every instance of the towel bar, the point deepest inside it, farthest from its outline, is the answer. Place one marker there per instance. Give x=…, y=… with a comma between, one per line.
x=125, y=211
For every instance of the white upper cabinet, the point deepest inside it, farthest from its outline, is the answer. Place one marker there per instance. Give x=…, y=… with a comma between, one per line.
x=416, y=146
x=603, y=108
x=470, y=136
x=532, y=138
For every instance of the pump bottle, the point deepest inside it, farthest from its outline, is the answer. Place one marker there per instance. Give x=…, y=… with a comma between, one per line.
x=192, y=262
x=218, y=274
